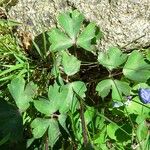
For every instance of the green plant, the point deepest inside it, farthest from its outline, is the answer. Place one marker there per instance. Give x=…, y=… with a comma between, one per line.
x=79, y=110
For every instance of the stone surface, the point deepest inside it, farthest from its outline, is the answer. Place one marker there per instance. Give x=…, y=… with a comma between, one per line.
x=125, y=23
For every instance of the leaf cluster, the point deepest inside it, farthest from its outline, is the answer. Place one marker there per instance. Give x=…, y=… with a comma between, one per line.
x=118, y=119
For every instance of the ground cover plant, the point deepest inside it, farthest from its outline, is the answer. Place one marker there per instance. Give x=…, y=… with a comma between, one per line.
x=65, y=93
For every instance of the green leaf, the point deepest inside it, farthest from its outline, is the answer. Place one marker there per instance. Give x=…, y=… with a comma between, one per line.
x=79, y=88
x=57, y=96
x=30, y=90
x=84, y=39
x=136, y=68
x=140, y=85
x=68, y=100
x=70, y=63
x=11, y=123
x=62, y=120
x=89, y=114
x=111, y=129
x=136, y=107
x=60, y=98
x=124, y=132
x=45, y=106
x=55, y=71
x=103, y=87
x=59, y=40
x=100, y=137
x=65, y=100
x=69, y=92
x=112, y=59
x=39, y=126
x=53, y=92
x=71, y=23
x=142, y=131
x=119, y=88
x=53, y=132
x=21, y=94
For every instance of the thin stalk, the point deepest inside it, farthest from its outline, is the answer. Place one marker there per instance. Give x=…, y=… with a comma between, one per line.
x=83, y=124
x=44, y=42
x=84, y=131
x=46, y=142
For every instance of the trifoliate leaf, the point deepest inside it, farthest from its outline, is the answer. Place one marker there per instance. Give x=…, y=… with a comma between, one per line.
x=21, y=94
x=59, y=40
x=112, y=59
x=103, y=87
x=70, y=63
x=71, y=23
x=40, y=126
x=136, y=68
x=84, y=39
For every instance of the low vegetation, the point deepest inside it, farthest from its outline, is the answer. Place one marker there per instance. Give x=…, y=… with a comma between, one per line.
x=62, y=92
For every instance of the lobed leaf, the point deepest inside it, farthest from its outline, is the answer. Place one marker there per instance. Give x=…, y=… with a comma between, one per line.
x=103, y=87
x=21, y=94
x=59, y=40
x=111, y=130
x=119, y=88
x=137, y=107
x=136, y=68
x=45, y=106
x=39, y=126
x=84, y=39
x=71, y=23
x=112, y=59
x=70, y=63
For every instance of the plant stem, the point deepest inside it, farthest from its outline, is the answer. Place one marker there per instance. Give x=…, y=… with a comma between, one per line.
x=84, y=131
x=46, y=142
x=83, y=124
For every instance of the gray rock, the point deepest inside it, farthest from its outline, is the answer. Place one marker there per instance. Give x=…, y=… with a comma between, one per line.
x=125, y=23
x=37, y=16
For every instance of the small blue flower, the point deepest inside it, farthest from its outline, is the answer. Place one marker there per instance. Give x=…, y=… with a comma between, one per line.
x=144, y=95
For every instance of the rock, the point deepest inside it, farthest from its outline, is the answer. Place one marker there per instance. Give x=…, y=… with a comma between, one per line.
x=125, y=23
x=37, y=16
